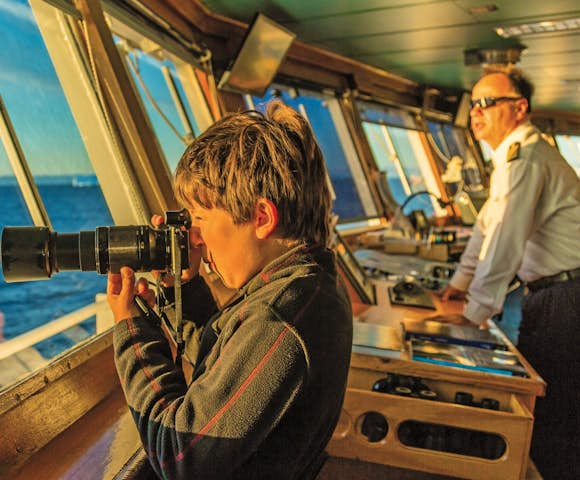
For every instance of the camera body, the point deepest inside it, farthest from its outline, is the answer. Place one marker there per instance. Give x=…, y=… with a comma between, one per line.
x=36, y=253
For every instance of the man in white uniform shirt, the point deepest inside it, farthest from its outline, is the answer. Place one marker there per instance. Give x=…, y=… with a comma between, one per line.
x=529, y=226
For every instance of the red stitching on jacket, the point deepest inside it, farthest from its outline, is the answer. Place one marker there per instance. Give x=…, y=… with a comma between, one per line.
x=139, y=355
x=242, y=312
x=266, y=275
x=181, y=455
x=306, y=305
x=234, y=397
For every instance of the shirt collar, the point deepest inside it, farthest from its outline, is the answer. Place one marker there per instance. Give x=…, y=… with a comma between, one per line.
x=519, y=134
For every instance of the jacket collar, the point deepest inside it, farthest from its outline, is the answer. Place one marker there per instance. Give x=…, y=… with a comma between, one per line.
x=306, y=258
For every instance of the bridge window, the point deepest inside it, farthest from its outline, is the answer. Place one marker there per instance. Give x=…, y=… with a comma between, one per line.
x=167, y=87
x=38, y=115
x=448, y=142
x=155, y=81
x=353, y=197
x=569, y=146
x=65, y=164
x=14, y=211
x=451, y=141
x=400, y=156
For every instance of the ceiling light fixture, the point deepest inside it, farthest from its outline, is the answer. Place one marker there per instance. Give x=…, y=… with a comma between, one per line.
x=538, y=27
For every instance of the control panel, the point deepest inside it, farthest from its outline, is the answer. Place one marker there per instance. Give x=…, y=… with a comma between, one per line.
x=410, y=294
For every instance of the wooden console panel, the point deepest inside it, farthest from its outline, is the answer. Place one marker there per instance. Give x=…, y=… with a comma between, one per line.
x=512, y=423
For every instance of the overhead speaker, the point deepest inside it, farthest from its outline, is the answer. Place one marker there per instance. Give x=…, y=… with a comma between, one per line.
x=493, y=56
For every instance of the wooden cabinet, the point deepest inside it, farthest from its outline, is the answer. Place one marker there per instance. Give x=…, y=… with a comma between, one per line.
x=436, y=436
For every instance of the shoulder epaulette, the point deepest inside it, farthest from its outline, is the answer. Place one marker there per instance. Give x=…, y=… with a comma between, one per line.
x=513, y=152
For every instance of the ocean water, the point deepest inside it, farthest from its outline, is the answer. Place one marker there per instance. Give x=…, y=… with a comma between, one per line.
x=73, y=204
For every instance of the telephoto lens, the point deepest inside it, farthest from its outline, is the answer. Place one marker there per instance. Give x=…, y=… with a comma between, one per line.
x=36, y=253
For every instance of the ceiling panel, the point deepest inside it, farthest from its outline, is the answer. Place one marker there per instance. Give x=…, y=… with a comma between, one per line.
x=424, y=40
x=464, y=36
x=373, y=22
x=285, y=11
x=514, y=11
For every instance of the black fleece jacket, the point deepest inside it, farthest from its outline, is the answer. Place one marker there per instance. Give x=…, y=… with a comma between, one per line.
x=265, y=400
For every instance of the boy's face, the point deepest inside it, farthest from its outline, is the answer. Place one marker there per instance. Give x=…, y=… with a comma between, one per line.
x=231, y=251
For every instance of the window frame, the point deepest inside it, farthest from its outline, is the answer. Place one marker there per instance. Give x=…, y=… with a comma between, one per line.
x=360, y=179
x=420, y=155
x=112, y=164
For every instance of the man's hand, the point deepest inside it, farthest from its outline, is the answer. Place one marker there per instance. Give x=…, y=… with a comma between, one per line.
x=452, y=293
x=453, y=318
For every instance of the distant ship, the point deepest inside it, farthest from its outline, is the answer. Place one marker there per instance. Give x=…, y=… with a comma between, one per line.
x=84, y=181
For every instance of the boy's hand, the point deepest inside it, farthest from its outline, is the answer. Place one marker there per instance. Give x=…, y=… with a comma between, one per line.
x=120, y=294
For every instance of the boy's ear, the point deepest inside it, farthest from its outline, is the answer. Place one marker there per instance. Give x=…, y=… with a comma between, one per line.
x=265, y=218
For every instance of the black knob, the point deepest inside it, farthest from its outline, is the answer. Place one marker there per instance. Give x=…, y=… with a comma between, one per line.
x=404, y=391
x=490, y=403
x=428, y=394
x=374, y=427
x=464, y=398
x=386, y=385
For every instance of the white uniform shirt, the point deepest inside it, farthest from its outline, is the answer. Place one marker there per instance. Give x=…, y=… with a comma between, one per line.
x=530, y=224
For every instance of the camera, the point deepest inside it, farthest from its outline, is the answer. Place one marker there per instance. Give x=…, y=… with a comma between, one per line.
x=36, y=253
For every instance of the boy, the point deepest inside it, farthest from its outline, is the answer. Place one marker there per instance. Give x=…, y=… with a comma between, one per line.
x=270, y=367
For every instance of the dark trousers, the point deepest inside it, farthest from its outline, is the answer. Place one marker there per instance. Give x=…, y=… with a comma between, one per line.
x=549, y=339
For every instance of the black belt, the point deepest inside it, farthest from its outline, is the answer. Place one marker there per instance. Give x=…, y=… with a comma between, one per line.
x=552, y=279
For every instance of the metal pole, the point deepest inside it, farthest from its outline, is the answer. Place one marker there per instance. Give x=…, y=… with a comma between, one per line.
x=21, y=171
x=178, y=103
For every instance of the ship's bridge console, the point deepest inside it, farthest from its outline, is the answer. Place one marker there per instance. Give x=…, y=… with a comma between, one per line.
x=422, y=394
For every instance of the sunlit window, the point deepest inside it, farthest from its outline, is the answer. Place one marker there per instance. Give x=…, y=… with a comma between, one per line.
x=14, y=211
x=163, y=98
x=451, y=142
x=387, y=160
x=162, y=89
x=53, y=148
x=57, y=112
x=400, y=156
x=569, y=146
x=353, y=197
x=452, y=152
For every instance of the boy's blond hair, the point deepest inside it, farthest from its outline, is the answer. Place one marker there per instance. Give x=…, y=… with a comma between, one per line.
x=246, y=156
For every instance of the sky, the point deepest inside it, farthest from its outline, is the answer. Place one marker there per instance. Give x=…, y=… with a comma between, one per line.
x=34, y=99
x=37, y=105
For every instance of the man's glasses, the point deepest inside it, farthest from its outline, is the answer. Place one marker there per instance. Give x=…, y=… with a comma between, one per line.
x=486, y=102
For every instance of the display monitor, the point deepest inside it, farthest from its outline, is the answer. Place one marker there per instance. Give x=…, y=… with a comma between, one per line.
x=259, y=57
x=354, y=273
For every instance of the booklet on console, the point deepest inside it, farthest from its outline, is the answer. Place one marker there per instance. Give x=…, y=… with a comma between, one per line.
x=433, y=331
x=500, y=362
x=378, y=340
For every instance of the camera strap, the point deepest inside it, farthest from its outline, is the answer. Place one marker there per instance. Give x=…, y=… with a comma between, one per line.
x=147, y=311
